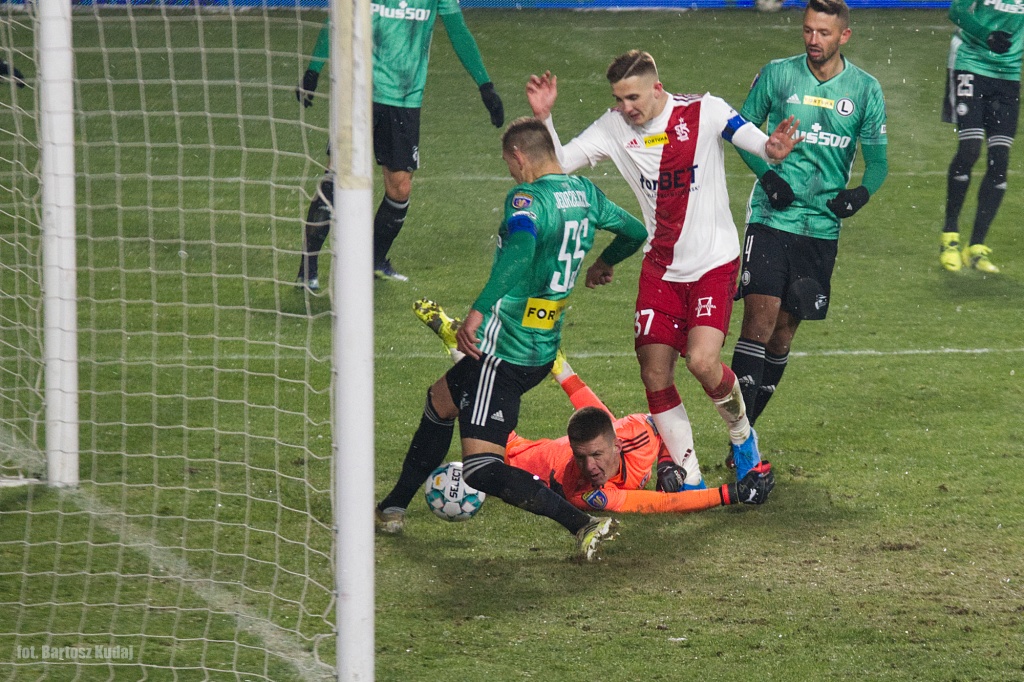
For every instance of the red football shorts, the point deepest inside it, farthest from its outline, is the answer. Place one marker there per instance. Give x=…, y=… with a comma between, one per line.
x=667, y=311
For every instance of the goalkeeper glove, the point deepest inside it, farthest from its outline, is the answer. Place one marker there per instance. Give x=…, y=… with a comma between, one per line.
x=780, y=194
x=999, y=42
x=848, y=201
x=753, y=488
x=670, y=477
x=493, y=104
x=304, y=93
x=6, y=71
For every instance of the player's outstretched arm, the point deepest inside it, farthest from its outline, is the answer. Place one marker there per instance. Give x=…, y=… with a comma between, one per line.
x=310, y=79
x=468, y=53
x=541, y=93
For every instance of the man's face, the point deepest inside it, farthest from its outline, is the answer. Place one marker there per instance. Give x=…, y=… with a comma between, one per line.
x=823, y=34
x=598, y=459
x=639, y=98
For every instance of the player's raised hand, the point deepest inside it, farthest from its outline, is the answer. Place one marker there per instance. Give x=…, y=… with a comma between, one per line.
x=466, y=336
x=541, y=93
x=304, y=93
x=599, y=273
x=782, y=140
x=493, y=103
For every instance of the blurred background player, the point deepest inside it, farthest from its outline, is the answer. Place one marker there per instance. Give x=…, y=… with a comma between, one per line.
x=791, y=240
x=548, y=227
x=402, y=33
x=982, y=101
x=11, y=73
x=669, y=149
x=603, y=464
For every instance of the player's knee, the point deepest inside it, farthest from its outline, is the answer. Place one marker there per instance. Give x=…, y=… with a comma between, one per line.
x=703, y=364
x=656, y=377
x=998, y=162
x=967, y=153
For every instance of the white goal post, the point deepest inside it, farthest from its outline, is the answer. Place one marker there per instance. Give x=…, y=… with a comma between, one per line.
x=184, y=407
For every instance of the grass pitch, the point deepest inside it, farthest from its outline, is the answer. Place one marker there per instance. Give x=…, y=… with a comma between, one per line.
x=887, y=550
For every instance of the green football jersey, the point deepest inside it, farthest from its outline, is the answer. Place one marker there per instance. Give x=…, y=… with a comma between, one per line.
x=402, y=31
x=833, y=116
x=524, y=327
x=975, y=20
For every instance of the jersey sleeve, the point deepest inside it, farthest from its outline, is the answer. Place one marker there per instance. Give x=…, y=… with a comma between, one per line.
x=872, y=130
x=759, y=101
x=647, y=501
x=630, y=233
x=448, y=7
x=734, y=128
x=587, y=148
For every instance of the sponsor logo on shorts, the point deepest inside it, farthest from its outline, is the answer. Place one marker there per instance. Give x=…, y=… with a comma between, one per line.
x=541, y=313
x=820, y=301
x=705, y=305
x=659, y=140
x=596, y=499
x=962, y=109
x=521, y=200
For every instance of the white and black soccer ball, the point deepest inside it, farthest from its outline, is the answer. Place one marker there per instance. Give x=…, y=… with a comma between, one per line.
x=449, y=497
x=768, y=5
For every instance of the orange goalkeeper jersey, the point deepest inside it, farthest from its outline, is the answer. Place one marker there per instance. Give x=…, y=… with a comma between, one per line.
x=552, y=462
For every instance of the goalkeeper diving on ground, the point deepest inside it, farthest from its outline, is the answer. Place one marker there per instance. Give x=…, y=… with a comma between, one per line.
x=603, y=463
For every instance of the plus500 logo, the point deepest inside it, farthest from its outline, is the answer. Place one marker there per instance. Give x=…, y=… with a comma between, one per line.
x=827, y=139
x=400, y=12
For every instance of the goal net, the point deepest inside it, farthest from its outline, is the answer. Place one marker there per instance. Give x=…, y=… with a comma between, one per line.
x=198, y=543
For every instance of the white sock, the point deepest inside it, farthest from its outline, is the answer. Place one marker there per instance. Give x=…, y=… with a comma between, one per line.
x=734, y=412
x=674, y=428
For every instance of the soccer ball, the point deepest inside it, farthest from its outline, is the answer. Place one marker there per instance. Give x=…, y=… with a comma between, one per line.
x=768, y=5
x=449, y=497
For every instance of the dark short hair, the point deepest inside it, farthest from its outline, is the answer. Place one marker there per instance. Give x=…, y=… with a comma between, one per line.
x=837, y=8
x=530, y=136
x=587, y=423
x=633, y=63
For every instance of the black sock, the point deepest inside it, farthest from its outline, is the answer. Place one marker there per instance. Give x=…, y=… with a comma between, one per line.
x=426, y=452
x=318, y=225
x=748, y=366
x=958, y=179
x=386, y=226
x=489, y=474
x=774, y=366
x=990, y=194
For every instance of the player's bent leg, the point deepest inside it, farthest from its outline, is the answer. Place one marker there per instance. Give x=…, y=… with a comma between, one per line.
x=486, y=471
x=426, y=452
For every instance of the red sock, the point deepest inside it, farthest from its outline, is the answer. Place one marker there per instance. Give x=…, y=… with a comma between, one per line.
x=663, y=400
x=725, y=388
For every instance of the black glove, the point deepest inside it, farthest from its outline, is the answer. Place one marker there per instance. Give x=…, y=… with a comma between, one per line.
x=999, y=42
x=848, y=201
x=304, y=93
x=780, y=194
x=493, y=104
x=753, y=488
x=670, y=477
x=6, y=71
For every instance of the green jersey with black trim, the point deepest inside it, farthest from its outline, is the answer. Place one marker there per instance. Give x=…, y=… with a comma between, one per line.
x=402, y=31
x=975, y=20
x=524, y=326
x=833, y=116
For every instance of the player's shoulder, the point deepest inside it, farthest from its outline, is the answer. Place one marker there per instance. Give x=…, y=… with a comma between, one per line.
x=524, y=197
x=859, y=74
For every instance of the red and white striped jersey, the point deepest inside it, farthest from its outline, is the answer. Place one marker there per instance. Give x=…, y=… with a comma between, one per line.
x=675, y=164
